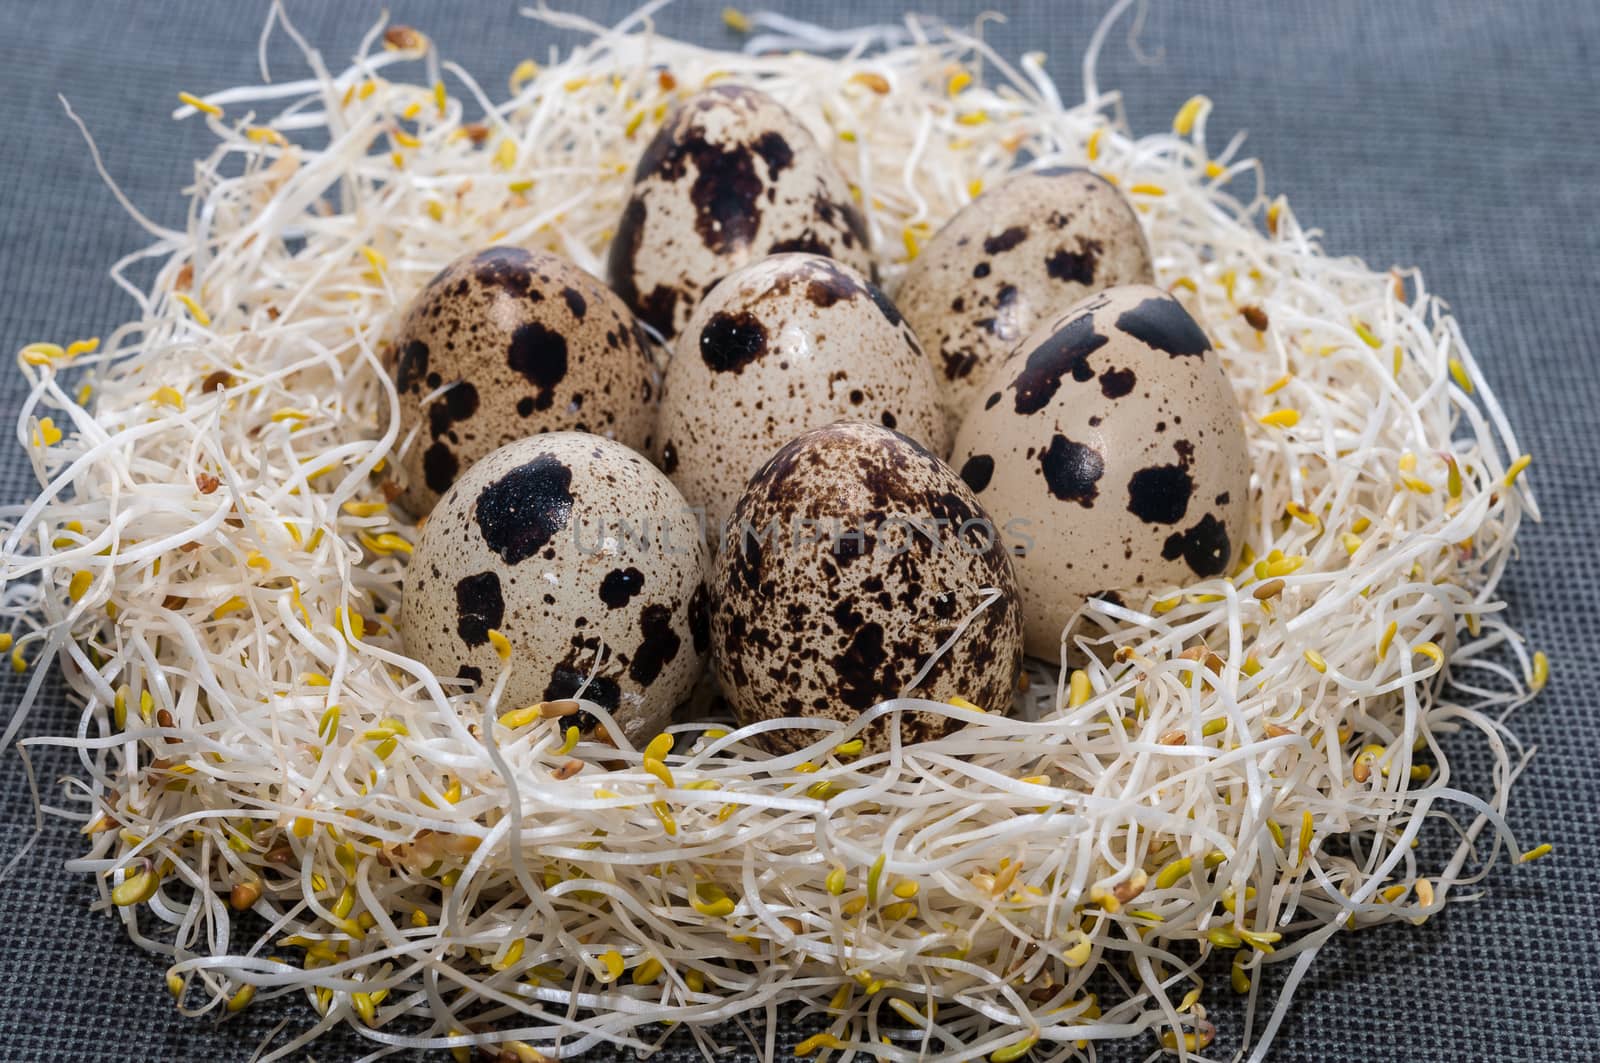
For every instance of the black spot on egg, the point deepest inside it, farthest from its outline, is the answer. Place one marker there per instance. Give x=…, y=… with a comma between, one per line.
x=846, y=616
x=856, y=225
x=981, y=270
x=885, y=305
x=525, y=406
x=725, y=193
x=575, y=302
x=507, y=268
x=700, y=620
x=807, y=243
x=540, y=355
x=669, y=458
x=412, y=366
x=775, y=151
x=472, y=674
x=1115, y=383
x=829, y=285
x=1160, y=494
x=1072, y=471
x=1075, y=267
x=568, y=676
x=854, y=230
x=439, y=467
x=1064, y=351
x=863, y=678
x=479, y=607
x=622, y=259
x=1161, y=322
x=659, y=646
x=1204, y=547
x=747, y=558
x=653, y=160
x=520, y=512
x=888, y=419
x=1005, y=241
x=454, y=406
x=732, y=340
x=620, y=585
x=992, y=401
x=977, y=471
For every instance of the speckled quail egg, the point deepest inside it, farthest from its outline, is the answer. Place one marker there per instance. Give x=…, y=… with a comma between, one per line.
x=730, y=177
x=584, y=556
x=527, y=343
x=1112, y=442
x=852, y=556
x=787, y=343
x=1023, y=251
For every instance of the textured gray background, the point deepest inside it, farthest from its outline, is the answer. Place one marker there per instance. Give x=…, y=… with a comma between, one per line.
x=1458, y=136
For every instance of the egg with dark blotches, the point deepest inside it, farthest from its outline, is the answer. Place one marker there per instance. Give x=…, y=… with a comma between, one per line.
x=1024, y=250
x=730, y=177
x=853, y=555
x=787, y=343
x=584, y=556
x=507, y=343
x=1112, y=441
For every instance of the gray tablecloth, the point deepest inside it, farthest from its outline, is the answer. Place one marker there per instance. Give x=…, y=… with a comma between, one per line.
x=1458, y=136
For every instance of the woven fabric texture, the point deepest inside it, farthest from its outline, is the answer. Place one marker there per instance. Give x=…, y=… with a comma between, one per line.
x=1453, y=135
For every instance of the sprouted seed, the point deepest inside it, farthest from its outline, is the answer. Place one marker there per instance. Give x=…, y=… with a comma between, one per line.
x=487, y=873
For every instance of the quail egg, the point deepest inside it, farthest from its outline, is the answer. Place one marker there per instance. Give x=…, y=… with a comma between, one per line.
x=787, y=343
x=584, y=556
x=853, y=555
x=1112, y=444
x=730, y=177
x=506, y=343
x=1019, y=253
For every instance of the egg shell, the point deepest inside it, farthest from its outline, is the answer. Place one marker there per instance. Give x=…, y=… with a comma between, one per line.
x=1021, y=252
x=533, y=344
x=730, y=177
x=825, y=619
x=563, y=542
x=1113, y=440
x=787, y=343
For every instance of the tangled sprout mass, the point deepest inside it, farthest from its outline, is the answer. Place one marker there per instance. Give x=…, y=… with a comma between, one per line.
x=1225, y=775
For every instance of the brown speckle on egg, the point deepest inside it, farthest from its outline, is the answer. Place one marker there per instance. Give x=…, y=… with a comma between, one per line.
x=506, y=343
x=730, y=177
x=1111, y=499
x=1046, y=239
x=586, y=558
x=829, y=626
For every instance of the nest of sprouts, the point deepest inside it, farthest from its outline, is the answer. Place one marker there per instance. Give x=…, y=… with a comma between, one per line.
x=1236, y=771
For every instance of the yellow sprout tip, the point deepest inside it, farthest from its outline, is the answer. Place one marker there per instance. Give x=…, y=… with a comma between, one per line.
x=1184, y=122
